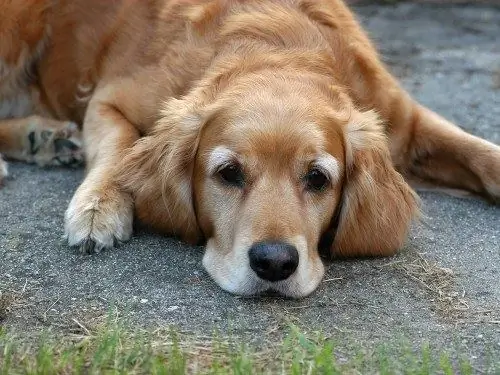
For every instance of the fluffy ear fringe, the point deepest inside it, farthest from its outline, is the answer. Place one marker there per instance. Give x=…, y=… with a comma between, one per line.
x=157, y=170
x=379, y=206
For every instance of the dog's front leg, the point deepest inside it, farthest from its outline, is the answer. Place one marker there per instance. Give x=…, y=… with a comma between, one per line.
x=100, y=214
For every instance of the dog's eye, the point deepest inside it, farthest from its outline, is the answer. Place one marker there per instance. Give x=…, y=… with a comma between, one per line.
x=232, y=174
x=316, y=180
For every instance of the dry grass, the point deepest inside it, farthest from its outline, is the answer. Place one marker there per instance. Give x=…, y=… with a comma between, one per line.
x=439, y=282
x=5, y=304
x=441, y=285
x=10, y=299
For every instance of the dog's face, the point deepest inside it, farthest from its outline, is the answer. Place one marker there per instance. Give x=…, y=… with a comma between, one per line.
x=267, y=178
x=260, y=171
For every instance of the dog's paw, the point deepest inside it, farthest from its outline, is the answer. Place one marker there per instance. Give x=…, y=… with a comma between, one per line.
x=52, y=146
x=98, y=219
x=3, y=170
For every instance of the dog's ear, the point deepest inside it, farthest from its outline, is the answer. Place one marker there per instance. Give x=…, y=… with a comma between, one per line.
x=158, y=171
x=378, y=205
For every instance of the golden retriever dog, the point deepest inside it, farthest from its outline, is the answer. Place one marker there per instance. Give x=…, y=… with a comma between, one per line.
x=267, y=129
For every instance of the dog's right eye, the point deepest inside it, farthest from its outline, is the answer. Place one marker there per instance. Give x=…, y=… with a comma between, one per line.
x=232, y=174
x=316, y=180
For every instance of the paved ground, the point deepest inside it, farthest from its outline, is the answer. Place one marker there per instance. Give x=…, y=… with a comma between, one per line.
x=449, y=58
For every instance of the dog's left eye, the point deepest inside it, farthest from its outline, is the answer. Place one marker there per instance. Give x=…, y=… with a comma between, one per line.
x=232, y=174
x=316, y=180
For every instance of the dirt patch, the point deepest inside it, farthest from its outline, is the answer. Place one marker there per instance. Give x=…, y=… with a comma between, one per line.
x=5, y=305
x=442, y=286
x=439, y=282
x=10, y=300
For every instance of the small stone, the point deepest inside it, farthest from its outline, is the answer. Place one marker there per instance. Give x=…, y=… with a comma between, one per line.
x=144, y=300
x=172, y=308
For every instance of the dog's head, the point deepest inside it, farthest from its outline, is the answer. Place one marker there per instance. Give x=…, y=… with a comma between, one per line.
x=266, y=171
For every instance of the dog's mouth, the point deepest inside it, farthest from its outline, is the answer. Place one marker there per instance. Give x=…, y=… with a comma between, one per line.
x=268, y=294
x=271, y=293
x=270, y=269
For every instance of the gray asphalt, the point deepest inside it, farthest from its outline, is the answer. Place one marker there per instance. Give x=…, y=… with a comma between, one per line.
x=447, y=57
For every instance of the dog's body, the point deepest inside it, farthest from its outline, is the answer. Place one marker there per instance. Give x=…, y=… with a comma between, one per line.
x=267, y=128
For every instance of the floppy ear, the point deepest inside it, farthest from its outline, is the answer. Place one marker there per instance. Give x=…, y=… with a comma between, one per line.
x=378, y=205
x=158, y=172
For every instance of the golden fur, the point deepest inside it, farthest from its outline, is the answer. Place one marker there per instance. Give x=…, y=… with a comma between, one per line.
x=27, y=130
x=172, y=92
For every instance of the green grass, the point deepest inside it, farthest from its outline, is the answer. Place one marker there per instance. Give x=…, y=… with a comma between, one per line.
x=116, y=350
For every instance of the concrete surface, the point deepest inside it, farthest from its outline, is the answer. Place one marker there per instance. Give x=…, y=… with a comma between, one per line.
x=449, y=58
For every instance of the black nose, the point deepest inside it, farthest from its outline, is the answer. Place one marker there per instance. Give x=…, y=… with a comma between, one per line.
x=273, y=261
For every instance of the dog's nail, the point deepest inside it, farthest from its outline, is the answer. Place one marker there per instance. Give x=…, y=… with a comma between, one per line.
x=88, y=246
